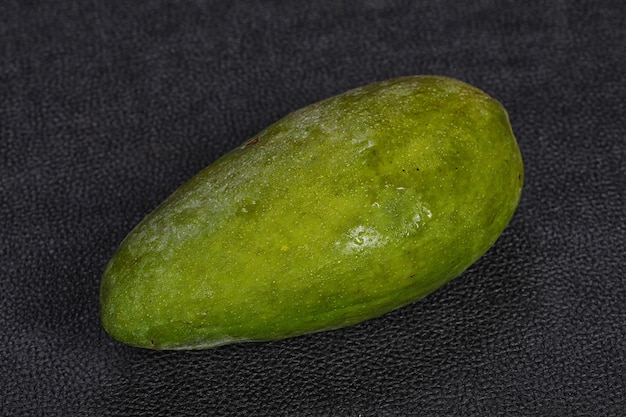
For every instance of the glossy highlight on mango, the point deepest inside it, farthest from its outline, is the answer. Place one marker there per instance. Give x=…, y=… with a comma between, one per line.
x=340, y=212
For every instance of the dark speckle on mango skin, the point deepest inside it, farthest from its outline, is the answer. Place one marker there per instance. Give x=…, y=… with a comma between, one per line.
x=340, y=212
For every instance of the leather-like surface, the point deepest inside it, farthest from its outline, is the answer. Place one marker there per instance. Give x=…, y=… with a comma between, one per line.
x=106, y=107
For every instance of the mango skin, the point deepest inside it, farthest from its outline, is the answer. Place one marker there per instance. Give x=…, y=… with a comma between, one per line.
x=340, y=212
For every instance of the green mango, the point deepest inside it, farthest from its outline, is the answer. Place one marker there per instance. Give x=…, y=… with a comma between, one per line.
x=340, y=212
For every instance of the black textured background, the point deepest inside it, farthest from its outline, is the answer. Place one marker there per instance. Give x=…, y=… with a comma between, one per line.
x=106, y=107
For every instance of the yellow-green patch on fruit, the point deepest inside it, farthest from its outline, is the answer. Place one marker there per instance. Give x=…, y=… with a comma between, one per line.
x=340, y=212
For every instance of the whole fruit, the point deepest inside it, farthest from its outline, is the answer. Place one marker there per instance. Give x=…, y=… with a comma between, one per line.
x=340, y=212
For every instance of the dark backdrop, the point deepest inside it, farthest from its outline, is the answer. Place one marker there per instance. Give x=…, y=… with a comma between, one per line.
x=106, y=107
